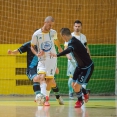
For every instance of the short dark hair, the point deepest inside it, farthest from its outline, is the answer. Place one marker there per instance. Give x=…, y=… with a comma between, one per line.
x=65, y=31
x=78, y=22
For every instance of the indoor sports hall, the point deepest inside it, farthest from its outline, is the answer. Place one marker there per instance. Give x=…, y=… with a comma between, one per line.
x=18, y=21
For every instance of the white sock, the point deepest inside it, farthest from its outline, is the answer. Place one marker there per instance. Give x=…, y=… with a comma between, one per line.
x=43, y=88
x=48, y=93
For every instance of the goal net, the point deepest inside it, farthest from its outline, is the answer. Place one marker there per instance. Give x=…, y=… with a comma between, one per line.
x=19, y=19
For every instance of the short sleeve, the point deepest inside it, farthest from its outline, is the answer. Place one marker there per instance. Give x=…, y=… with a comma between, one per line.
x=34, y=40
x=85, y=39
x=55, y=36
x=23, y=48
x=65, y=44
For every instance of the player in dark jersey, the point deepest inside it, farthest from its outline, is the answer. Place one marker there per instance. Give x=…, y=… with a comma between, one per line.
x=31, y=72
x=32, y=61
x=85, y=66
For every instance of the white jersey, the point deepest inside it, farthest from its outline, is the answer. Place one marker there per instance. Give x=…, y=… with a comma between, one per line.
x=45, y=42
x=81, y=37
x=71, y=67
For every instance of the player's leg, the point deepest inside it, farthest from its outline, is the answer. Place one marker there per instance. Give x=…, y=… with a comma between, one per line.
x=85, y=92
x=32, y=75
x=78, y=91
x=87, y=75
x=70, y=70
x=41, y=70
x=77, y=87
x=55, y=89
x=71, y=91
x=51, y=66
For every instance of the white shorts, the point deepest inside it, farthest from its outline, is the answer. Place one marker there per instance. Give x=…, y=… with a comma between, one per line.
x=71, y=67
x=47, y=67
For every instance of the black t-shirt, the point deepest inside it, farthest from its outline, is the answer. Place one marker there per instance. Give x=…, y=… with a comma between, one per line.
x=79, y=53
x=32, y=60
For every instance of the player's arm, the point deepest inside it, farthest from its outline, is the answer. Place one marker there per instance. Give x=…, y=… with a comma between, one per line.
x=57, y=43
x=65, y=47
x=64, y=52
x=88, y=50
x=67, y=51
x=13, y=52
x=33, y=47
x=20, y=50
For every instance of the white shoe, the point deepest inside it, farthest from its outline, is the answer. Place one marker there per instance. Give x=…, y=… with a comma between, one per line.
x=71, y=98
x=60, y=100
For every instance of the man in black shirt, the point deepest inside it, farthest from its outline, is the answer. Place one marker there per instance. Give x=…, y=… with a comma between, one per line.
x=32, y=61
x=85, y=66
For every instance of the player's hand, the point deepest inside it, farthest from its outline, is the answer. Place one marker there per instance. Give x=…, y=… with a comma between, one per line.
x=52, y=54
x=9, y=52
x=57, y=70
x=41, y=53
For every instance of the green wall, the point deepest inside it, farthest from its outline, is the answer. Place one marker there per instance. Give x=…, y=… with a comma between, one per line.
x=103, y=78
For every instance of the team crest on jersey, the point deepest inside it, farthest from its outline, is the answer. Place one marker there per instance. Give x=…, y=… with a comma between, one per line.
x=46, y=46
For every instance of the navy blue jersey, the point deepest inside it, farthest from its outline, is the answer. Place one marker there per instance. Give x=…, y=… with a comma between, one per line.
x=32, y=60
x=79, y=53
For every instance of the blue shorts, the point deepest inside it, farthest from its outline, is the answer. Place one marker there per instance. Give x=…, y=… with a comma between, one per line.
x=82, y=75
x=31, y=73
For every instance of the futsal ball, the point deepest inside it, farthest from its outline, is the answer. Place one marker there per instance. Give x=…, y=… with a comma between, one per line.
x=40, y=99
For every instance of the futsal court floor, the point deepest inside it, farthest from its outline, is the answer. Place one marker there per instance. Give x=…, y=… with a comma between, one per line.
x=20, y=106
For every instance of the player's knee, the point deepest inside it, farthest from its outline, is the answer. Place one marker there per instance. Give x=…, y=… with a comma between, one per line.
x=76, y=87
x=42, y=77
x=36, y=78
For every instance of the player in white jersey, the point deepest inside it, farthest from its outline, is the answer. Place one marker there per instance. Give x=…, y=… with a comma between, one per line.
x=71, y=62
x=44, y=39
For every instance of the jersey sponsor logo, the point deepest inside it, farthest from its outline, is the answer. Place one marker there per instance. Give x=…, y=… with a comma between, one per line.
x=51, y=72
x=40, y=37
x=46, y=46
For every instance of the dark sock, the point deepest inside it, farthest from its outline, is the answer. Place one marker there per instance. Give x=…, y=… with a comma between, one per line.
x=56, y=92
x=36, y=88
x=84, y=91
x=79, y=95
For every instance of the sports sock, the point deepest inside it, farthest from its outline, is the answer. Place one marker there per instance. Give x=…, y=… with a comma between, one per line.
x=36, y=87
x=43, y=88
x=84, y=91
x=70, y=86
x=48, y=93
x=79, y=95
x=56, y=92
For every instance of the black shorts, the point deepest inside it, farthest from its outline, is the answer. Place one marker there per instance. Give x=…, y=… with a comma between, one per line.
x=31, y=73
x=82, y=75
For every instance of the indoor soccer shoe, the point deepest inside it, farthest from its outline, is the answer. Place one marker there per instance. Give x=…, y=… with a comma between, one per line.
x=86, y=97
x=46, y=103
x=71, y=96
x=60, y=100
x=78, y=104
